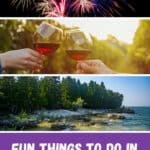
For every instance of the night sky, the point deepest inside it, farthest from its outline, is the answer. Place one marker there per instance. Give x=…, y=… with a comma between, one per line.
x=127, y=8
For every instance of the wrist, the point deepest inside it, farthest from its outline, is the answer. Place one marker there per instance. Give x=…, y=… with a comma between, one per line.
x=1, y=69
x=3, y=61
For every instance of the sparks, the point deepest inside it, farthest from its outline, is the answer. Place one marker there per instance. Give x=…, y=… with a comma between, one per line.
x=83, y=6
x=54, y=8
x=25, y=4
x=76, y=8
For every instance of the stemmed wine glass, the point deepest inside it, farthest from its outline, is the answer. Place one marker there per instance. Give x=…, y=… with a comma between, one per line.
x=78, y=44
x=47, y=39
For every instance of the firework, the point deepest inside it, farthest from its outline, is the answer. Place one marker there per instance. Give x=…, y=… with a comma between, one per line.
x=25, y=4
x=83, y=6
x=74, y=8
x=112, y=7
x=52, y=8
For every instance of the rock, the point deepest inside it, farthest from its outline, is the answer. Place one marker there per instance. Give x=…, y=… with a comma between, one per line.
x=123, y=110
x=63, y=126
x=46, y=119
x=7, y=123
x=115, y=116
x=121, y=117
x=104, y=123
x=26, y=125
x=92, y=123
x=83, y=118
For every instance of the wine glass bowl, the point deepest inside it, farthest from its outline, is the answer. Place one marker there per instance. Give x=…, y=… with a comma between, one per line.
x=46, y=48
x=78, y=45
x=78, y=55
x=47, y=38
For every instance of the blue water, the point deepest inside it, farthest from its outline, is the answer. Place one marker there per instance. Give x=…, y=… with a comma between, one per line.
x=140, y=120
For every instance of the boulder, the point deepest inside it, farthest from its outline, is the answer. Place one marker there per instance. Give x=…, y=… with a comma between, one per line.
x=83, y=118
x=26, y=125
x=7, y=123
x=116, y=116
x=61, y=126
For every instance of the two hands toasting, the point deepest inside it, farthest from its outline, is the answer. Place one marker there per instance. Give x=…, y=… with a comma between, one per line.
x=46, y=40
x=79, y=49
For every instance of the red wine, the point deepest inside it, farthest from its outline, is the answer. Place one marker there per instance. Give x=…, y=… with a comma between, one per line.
x=46, y=48
x=78, y=54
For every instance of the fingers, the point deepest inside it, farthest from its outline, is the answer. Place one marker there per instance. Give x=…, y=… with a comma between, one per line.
x=35, y=54
x=93, y=62
x=33, y=60
x=79, y=71
x=31, y=65
x=83, y=67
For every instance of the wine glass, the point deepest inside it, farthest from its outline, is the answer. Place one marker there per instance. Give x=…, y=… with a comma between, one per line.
x=78, y=44
x=47, y=38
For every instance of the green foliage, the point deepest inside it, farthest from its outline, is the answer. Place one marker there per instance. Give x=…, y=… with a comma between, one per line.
x=22, y=115
x=78, y=103
x=139, y=53
x=118, y=55
x=16, y=34
x=26, y=94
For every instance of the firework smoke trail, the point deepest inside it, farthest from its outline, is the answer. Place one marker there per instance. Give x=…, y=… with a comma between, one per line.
x=25, y=4
x=82, y=6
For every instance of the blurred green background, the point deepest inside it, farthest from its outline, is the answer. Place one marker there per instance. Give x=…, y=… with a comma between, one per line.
x=119, y=56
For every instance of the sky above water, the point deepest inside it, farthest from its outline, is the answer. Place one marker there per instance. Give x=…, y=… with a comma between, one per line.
x=136, y=89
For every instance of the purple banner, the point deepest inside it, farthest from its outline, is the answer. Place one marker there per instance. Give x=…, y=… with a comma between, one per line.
x=74, y=141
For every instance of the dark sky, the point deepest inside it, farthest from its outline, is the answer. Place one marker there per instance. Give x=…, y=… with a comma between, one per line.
x=141, y=9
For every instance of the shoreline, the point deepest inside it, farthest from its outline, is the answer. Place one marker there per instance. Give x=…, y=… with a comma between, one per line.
x=62, y=120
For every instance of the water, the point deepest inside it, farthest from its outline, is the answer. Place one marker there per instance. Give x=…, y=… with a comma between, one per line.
x=140, y=121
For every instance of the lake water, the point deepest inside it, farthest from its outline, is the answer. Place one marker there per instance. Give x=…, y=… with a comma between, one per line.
x=140, y=121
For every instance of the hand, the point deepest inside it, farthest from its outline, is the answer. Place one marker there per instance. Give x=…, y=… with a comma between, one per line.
x=93, y=67
x=21, y=59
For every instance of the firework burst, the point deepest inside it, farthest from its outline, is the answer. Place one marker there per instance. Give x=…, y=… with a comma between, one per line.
x=112, y=7
x=52, y=8
x=76, y=8
x=83, y=6
x=25, y=4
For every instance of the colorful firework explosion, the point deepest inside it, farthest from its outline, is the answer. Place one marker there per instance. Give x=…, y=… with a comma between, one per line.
x=83, y=6
x=52, y=8
x=77, y=8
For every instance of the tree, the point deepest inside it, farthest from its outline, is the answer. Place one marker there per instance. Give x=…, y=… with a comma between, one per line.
x=139, y=53
x=50, y=92
x=27, y=94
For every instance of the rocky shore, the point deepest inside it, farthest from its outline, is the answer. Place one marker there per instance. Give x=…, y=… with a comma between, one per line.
x=64, y=120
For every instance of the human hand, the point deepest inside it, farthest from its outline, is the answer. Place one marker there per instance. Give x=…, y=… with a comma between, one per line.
x=21, y=59
x=93, y=67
